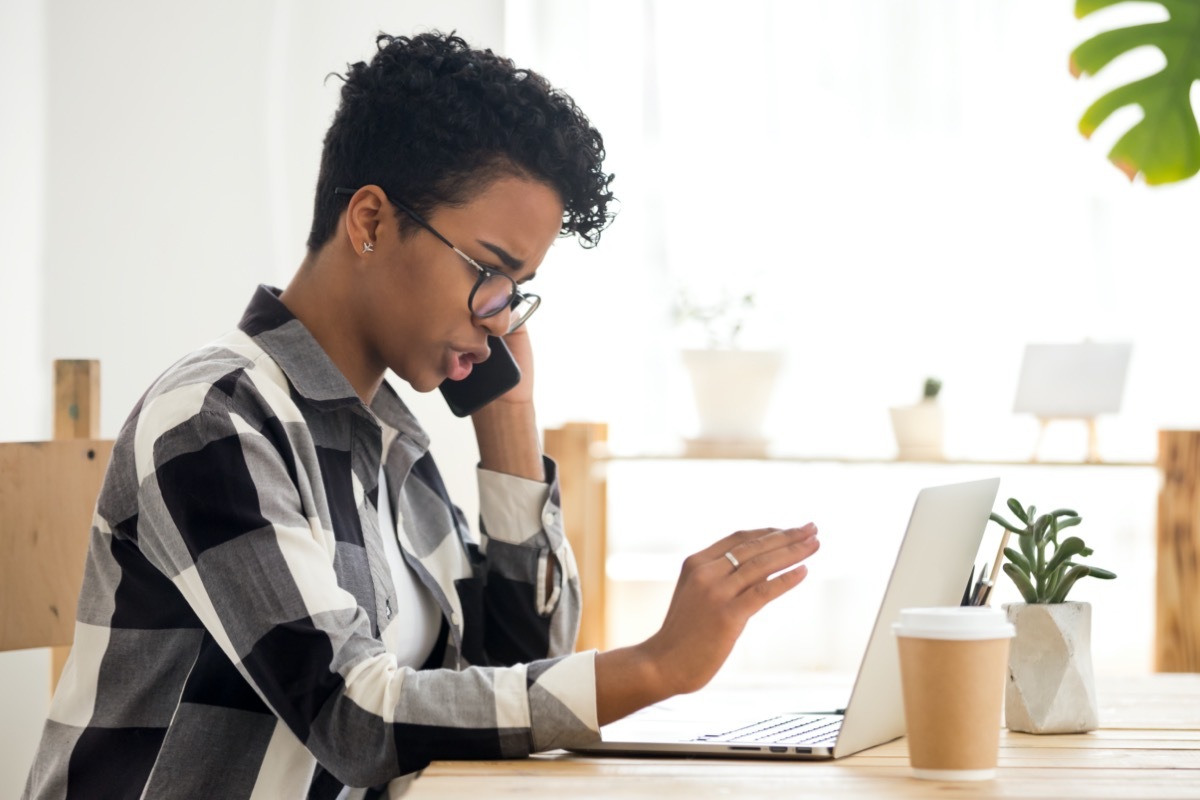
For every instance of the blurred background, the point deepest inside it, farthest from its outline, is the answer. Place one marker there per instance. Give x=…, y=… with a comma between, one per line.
x=900, y=184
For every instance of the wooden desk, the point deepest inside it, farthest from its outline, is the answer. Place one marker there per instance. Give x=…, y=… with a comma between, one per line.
x=1148, y=747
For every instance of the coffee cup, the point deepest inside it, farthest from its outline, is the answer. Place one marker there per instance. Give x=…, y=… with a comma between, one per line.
x=953, y=665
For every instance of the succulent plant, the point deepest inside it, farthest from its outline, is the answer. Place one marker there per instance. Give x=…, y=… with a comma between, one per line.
x=1042, y=574
x=932, y=387
x=721, y=320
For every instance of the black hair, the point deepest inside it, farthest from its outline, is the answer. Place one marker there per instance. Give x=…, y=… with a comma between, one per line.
x=433, y=120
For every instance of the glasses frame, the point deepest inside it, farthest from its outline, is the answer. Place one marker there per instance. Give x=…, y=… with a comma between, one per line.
x=485, y=273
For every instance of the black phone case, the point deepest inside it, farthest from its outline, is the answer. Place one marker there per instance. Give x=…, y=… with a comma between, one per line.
x=487, y=381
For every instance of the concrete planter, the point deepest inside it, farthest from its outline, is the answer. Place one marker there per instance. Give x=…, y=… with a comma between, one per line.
x=1050, y=684
x=918, y=430
x=733, y=389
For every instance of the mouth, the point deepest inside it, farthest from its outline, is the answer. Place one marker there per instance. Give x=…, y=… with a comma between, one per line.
x=462, y=362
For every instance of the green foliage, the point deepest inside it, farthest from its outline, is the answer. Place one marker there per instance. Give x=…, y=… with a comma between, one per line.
x=1165, y=145
x=720, y=321
x=932, y=387
x=1042, y=568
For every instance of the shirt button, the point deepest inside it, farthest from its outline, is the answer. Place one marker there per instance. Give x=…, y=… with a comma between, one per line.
x=550, y=518
x=454, y=618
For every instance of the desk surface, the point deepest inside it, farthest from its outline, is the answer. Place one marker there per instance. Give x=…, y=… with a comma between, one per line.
x=1148, y=747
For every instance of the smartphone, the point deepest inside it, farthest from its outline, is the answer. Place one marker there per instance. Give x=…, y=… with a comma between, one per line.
x=487, y=381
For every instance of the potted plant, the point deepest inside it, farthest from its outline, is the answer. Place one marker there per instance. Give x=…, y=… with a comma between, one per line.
x=1050, y=686
x=918, y=428
x=732, y=386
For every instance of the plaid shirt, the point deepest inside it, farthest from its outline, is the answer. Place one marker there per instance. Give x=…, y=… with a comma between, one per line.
x=237, y=616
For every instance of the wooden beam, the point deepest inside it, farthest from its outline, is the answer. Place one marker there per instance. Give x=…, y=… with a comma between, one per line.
x=76, y=399
x=47, y=499
x=1177, y=619
x=585, y=508
x=76, y=416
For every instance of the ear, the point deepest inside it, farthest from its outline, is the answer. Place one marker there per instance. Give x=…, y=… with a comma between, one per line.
x=363, y=217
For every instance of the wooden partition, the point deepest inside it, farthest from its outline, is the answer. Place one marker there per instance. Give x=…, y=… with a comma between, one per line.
x=585, y=508
x=580, y=451
x=1177, y=627
x=48, y=494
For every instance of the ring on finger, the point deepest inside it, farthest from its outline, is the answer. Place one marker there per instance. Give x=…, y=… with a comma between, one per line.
x=732, y=559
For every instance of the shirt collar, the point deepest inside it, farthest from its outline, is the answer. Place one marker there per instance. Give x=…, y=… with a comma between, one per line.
x=309, y=369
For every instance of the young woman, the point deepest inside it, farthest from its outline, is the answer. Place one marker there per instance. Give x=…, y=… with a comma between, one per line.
x=280, y=598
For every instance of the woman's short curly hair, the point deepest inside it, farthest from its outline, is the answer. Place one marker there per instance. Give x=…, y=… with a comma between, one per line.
x=434, y=120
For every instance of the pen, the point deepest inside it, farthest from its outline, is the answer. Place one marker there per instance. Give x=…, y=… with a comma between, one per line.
x=966, y=598
x=977, y=593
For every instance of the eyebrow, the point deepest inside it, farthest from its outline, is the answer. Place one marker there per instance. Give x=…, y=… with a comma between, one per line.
x=502, y=254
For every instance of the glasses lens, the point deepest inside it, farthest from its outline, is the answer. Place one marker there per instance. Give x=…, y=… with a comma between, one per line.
x=523, y=306
x=492, y=294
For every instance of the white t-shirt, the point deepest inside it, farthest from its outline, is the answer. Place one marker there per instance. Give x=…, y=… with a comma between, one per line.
x=420, y=617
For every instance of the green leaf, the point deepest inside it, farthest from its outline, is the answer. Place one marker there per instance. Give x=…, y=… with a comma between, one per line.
x=1022, y=583
x=1102, y=574
x=1018, y=560
x=1063, y=512
x=1039, y=528
x=1052, y=584
x=1085, y=7
x=999, y=520
x=1064, y=586
x=1073, y=546
x=1016, y=508
x=1027, y=548
x=1069, y=522
x=1165, y=145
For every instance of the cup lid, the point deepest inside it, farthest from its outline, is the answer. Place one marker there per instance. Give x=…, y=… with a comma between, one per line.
x=954, y=622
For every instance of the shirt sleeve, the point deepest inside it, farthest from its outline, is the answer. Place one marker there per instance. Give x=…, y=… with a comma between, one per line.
x=221, y=504
x=530, y=560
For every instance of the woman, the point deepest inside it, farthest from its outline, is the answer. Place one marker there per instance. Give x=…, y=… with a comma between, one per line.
x=280, y=599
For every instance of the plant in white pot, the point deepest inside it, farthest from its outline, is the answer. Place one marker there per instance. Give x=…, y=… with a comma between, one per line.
x=918, y=427
x=1051, y=688
x=732, y=386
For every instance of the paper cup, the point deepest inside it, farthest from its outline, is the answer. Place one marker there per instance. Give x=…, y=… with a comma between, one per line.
x=953, y=664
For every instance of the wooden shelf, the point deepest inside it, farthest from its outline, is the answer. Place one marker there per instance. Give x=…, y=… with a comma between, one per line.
x=582, y=451
x=601, y=453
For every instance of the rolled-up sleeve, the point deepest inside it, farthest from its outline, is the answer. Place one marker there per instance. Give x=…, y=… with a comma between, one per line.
x=527, y=550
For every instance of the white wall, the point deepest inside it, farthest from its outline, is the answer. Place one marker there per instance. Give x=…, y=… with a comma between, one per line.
x=158, y=164
x=23, y=412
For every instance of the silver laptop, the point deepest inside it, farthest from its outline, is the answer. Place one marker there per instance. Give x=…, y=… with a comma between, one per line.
x=931, y=569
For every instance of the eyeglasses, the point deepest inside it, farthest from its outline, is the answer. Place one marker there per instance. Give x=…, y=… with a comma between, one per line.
x=493, y=290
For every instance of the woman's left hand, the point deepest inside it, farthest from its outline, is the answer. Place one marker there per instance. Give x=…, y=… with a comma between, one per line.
x=506, y=428
x=522, y=352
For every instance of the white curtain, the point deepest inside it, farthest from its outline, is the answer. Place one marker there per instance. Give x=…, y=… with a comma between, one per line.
x=899, y=182
x=902, y=185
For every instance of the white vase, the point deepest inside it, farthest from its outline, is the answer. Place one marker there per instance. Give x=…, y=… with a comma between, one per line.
x=1050, y=687
x=918, y=430
x=733, y=390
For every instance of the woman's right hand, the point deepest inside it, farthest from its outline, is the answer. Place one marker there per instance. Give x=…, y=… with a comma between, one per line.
x=713, y=600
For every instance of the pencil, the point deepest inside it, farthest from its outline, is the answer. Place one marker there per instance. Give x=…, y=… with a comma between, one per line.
x=996, y=565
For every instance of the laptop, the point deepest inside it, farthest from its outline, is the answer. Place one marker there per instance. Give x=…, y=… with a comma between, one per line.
x=934, y=562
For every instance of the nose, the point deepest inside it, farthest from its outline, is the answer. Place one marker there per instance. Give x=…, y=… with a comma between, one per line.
x=497, y=324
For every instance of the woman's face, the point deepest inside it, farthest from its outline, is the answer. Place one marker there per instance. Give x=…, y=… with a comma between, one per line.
x=415, y=293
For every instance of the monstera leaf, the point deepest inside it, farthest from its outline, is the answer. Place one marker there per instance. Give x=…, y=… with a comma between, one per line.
x=1165, y=145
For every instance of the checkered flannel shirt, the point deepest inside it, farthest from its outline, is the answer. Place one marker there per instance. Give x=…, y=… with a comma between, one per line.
x=237, y=616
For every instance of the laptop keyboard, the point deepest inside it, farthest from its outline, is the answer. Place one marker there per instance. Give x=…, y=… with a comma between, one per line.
x=808, y=730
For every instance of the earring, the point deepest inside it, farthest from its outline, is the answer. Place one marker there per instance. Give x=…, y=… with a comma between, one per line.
x=368, y=248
